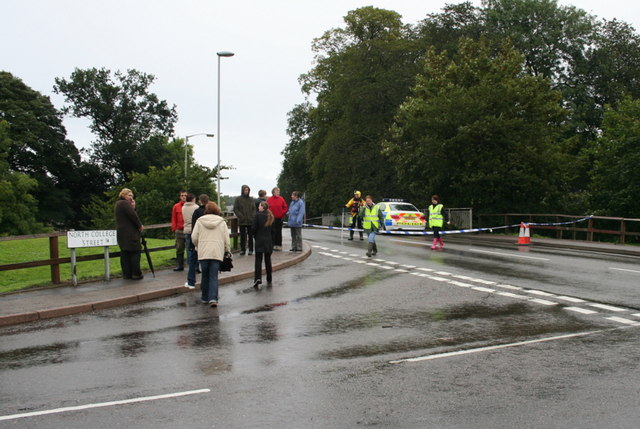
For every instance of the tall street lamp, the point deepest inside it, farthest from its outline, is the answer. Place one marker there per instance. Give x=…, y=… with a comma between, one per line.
x=186, y=146
x=220, y=55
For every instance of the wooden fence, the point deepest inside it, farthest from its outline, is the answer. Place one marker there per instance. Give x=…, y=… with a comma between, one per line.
x=55, y=260
x=596, y=228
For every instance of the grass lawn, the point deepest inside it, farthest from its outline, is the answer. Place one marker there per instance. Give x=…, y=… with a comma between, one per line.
x=38, y=249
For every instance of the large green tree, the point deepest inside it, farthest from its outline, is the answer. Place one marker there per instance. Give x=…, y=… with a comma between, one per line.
x=615, y=182
x=478, y=131
x=363, y=73
x=40, y=150
x=17, y=215
x=127, y=119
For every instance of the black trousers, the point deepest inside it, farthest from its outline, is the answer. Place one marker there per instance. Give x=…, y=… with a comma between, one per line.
x=245, y=230
x=130, y=263
x=276, y=232
x=258, y=267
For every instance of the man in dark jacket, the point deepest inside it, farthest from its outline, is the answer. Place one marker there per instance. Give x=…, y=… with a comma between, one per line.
x=245, y=210
x=128, y=228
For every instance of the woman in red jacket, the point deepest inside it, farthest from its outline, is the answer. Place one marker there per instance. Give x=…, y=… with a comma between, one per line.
x=278, y=207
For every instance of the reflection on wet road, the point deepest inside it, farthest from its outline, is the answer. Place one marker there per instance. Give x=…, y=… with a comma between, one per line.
x=334, y=314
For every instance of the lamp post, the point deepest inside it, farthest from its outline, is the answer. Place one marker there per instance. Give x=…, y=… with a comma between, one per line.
x=220, y=55
x=186, y=146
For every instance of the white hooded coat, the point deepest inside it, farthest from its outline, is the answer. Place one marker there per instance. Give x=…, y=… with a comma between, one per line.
x=211, y=237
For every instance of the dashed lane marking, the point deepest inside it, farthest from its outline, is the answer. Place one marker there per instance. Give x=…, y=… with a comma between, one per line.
x=543, y=301
x=581, y=310
x=510, y=255
x=622, y=320
x=413, y=270
x=483, y=289
x=625, y=270
x=607, y=307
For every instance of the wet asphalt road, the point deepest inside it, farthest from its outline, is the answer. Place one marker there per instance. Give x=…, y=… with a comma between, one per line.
x=503, y=339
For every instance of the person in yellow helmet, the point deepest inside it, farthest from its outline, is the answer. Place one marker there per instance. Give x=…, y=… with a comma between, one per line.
x=354, y=206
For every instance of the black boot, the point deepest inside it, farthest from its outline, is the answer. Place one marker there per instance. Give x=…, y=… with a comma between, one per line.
x=375, y=249
x=350, y=235
x=369, y=249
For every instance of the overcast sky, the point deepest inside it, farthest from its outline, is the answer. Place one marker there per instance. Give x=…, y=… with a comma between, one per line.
x=177, y=41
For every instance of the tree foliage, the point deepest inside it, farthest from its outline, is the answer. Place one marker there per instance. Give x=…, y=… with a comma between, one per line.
x=496, y=106
x=127, y=119
x=615, y=182
x=471, y=122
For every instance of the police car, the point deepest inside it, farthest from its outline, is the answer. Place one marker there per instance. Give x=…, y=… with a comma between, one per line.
x=399, y=214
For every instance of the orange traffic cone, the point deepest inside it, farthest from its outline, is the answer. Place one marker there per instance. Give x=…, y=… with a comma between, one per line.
x=524, y=238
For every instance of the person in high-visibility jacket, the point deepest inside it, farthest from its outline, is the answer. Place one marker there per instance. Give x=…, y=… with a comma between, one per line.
x=372, y=222
x=354, y=206
x=436, y=221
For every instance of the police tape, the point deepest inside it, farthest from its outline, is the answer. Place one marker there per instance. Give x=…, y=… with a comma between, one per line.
x=456, y=231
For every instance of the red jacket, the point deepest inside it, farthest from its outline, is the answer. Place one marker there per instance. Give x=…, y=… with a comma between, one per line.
x=177, y=221
x=278, y=206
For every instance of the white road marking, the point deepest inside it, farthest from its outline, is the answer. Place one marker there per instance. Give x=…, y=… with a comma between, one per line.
x=373, y=264
x=570, y=299
x=636, y=314
x=538, y=292
x=512, y=295
x=483, y=289
x=625, y=270
x=392, y=263
x=580, y=310
x=607, y=307
x=408, y=266
x=543, y=301
x=353, y=255
x=384, y=267
x=509, y=287
x=104, y=404
x=490, y=348
x=622, y=320
x=425, y=269
x=457, y=283
x=485, y=282
x=442, y=273
x=379, y=260
x=438, y=279
x=397, y=270
x=508, y=254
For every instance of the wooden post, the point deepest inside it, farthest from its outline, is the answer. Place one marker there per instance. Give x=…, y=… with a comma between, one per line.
x=590, y=230
x=54, y=253
x=623, y=231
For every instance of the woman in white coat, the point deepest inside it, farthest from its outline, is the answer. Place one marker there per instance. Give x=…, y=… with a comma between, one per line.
x=210, y=236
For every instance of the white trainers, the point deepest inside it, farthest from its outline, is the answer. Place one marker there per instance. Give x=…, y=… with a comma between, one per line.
x=188, y=286
x=213, y=303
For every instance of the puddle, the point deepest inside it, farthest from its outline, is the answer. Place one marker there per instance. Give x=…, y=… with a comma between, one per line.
x=37, y=356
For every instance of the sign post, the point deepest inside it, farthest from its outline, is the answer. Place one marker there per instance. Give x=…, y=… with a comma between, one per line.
x=82, y=239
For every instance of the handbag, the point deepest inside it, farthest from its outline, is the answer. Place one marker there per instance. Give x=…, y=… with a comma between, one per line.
x=227, y=262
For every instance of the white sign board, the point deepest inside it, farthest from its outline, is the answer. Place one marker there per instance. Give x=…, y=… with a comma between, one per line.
x=77, y=239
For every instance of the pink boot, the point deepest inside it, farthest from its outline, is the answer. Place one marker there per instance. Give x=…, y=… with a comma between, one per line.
x=433, y=246
x=441, y=243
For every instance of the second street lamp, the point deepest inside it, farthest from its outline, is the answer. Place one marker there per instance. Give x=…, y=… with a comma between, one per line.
x=186, y=147
x=220, y=55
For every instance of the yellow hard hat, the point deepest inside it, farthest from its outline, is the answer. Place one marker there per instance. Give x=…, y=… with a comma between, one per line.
x=357, y=193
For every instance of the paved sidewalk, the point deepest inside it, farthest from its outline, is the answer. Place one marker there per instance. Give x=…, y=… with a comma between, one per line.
x=60, y=301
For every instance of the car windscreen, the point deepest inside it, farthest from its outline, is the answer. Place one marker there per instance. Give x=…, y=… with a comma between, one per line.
x=402, y=207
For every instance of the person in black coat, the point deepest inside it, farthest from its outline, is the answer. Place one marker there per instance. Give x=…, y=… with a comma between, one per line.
x=128, y=228
x=264, y=245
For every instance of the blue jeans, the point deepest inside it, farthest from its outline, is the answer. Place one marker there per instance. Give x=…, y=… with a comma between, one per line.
x=209, y=282
x=192, y=261
x=372, y=237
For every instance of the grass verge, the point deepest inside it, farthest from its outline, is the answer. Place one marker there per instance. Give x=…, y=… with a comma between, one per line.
x=38, y=249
